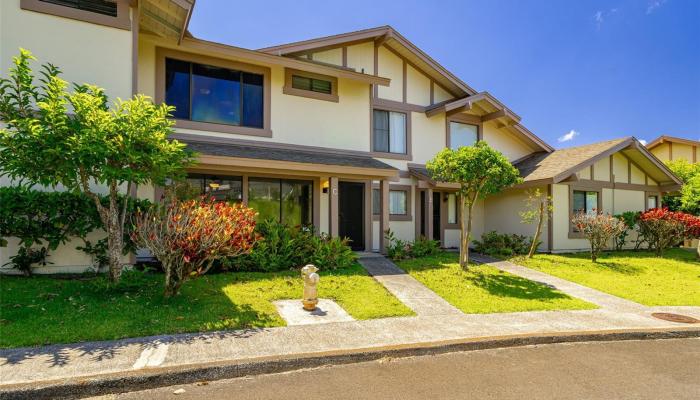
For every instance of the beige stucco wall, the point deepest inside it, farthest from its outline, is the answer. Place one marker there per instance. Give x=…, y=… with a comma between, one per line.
x=361, y=57
x=505, y=142
x=614, y=201
x=601, y=170
x=638, y=176
x=503, y=214
x=417, y=87
x=390, y=66
x=661, y=152
x=332, y=56
x=441, y=94
x=620, y=168
x=678, y=151
x=86, y=53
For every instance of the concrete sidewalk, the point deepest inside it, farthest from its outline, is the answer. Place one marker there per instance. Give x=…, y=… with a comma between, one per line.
x=54, y=363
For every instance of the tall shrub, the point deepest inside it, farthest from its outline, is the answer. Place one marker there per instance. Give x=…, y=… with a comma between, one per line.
x=187, y=237
x=53, y=136
x=599, y=229
x=662, y=228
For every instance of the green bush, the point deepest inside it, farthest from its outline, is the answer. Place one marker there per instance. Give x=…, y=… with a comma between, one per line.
x=629, y=218
x=50, y=219
x=398, y=249
x=281, y=247
x=494, y=243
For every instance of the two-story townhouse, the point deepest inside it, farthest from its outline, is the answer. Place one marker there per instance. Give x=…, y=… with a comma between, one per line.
x=333, y=132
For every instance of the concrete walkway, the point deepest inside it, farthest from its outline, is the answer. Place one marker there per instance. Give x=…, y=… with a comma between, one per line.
x=436, y=321
x=596, y=297
x=409, y=291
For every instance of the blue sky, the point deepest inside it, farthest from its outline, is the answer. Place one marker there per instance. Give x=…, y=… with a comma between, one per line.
x=578, y=70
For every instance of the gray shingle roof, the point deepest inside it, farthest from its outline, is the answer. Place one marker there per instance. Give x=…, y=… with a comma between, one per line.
x=290, y=155
x=549, y=165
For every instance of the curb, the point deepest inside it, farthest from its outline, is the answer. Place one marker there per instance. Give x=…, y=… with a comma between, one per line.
x=179, y=375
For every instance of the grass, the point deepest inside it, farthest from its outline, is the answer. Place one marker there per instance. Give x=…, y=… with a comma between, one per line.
x=43, y=310
x=485, y=289
x=672, y=280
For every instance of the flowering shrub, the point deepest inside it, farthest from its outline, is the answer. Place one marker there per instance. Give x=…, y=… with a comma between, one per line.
x=662, y=228
x=599, y=229
x=188, y=236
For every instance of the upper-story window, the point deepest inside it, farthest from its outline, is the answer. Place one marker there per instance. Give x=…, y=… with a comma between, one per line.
x=97, y=6
x=389, y=132
x=461, y=134
x=114, y=13
x=311, y=85
x=205, y=93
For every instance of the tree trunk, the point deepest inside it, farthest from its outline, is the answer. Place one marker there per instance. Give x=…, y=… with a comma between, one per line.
x=538, y=232
x=115, y=242
x=463, y=242
x=698, y=247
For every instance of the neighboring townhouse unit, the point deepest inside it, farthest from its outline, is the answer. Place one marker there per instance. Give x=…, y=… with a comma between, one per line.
x=333, y=132
x=669, y=148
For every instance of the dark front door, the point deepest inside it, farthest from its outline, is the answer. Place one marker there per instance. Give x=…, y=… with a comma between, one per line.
x=351, y=211
x=436, y=216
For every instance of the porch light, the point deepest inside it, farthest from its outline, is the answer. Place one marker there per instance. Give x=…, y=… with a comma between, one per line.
x=324, y=185
x=214, y=185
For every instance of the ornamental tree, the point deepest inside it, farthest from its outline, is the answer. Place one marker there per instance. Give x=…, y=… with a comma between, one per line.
x=599, y=229
x=689, y=198
x=662, y=228
x=188, y=236
x=78, y=140
x=479, y=171
x=538, y=208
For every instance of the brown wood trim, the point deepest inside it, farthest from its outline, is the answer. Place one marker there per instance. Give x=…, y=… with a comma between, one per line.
x=599, y=185
x=445, y=224
x=135, y=50
x=428, y=213
x=397, y=217
x=368, y=231
x=695, y=154
x=375, y=88
x=404, y=89
x=579, y=235
x=345, y=56
x=629, y=170
x=121, y=21
x=611, y=178
x=397, y=105
x=265, y=131
x=288, y=89
x=384, y=216
x=658, y=195
x=670, y=151
x=316, y=205
x=420, y=70
x=432, y=92
x=626, y=143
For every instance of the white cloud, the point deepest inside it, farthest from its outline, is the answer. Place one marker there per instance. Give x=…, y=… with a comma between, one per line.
x=569, y=136
x=653, y=5
x=643, y=142
x=598, y=16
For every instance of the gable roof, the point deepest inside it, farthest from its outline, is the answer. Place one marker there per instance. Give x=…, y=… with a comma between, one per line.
x=387, y=36
x=665, y=138
x=559, y=165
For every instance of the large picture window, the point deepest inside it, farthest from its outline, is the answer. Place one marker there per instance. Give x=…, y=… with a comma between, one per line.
x=288, y=201
x=585, y=202
x=389, y=132
x=462, y=134
x=212, y=94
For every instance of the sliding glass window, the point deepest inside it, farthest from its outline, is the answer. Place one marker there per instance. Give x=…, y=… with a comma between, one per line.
x=288, y=201
x=221, y=188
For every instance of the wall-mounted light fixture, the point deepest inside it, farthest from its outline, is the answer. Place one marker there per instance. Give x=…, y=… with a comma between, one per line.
x=324, y=185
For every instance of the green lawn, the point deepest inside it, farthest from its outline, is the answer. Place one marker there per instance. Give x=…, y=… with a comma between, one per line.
x=485, y=289
x=42, y=310
x=673, y=280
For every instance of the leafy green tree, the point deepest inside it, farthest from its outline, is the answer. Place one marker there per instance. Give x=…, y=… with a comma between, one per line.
x=689, y=199
x=538, y=208
x=77, y=140
x=480, y=171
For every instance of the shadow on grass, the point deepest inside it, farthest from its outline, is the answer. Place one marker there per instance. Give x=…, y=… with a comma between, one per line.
x=503, y=285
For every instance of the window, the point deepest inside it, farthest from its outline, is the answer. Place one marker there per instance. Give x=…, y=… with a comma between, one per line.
x=451, y=208
x=288, y=201
x=113, y=13
x=220, y=188
x=211, y=94
x=462, y=134
x=97, y=6
x=397, y=202
x=311, y=85
x=389, y=132
x=376, y=202
x=652, y=202
x=585, y=202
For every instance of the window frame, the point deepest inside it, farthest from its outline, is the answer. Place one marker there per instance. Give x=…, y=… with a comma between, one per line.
x=463, y=119
x=599, y=207
x=281, y=180
x=211, y=177
x=409, y=205
x=121, y=21
x=409, y=147
x=265, y=131
x=648, y=194
x=445, y=211
x=288, y=89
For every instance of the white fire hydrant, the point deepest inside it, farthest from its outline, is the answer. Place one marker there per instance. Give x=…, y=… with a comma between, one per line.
x=311, y=278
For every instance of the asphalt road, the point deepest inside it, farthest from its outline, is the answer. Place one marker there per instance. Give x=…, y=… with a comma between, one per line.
x=663, y=369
